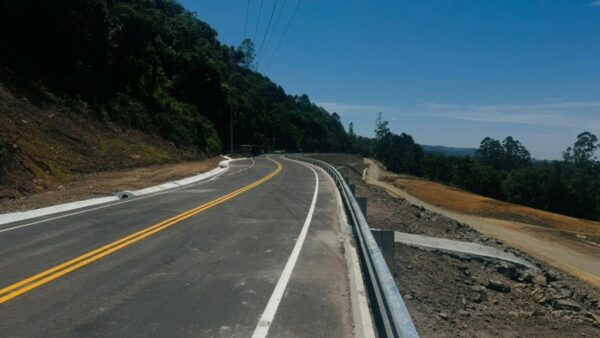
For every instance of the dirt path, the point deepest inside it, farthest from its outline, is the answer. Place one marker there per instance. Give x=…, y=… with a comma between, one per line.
x=579, y=259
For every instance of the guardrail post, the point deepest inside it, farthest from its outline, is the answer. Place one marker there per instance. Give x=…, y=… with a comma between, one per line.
x=385, y=241
x=362, y=204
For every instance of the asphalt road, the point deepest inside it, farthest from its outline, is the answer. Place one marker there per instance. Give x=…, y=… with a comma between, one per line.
x=202, y=261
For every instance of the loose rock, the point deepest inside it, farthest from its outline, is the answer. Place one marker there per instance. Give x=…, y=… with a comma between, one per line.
x=566, y=304
x=540, y=280
x=497, y=285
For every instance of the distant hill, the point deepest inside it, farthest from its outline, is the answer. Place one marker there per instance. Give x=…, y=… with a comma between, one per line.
x=449, y=151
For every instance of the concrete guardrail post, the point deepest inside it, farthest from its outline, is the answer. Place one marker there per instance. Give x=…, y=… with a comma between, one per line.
x=385, y=241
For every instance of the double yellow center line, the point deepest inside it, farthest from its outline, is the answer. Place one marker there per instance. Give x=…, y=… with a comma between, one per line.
x=44, y=277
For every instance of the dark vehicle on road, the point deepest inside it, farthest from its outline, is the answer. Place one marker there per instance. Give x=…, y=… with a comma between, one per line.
x=251, y=150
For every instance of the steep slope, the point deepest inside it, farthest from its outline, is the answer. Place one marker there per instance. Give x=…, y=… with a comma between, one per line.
x=154, y=66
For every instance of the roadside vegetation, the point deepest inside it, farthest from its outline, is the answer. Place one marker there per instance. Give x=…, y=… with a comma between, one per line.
x=502, y=170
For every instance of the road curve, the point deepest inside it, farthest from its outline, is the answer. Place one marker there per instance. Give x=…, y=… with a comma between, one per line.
x=199, y=261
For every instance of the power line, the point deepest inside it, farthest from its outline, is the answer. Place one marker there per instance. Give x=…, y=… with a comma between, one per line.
x=279, y=15
x=246, y=22
x=262, y=44
x=258, y=20
x=283, y=35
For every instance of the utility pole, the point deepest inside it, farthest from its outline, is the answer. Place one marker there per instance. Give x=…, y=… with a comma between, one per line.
x=230, y=131
x=321, y=141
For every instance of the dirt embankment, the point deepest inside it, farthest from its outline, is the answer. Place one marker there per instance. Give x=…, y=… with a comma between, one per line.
x=461, y=296
x=107, y=183
x=47, y=146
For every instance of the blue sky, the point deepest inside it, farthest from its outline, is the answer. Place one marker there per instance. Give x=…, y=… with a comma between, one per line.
x=448, y=72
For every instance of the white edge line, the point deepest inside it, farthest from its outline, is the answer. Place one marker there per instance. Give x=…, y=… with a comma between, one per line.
x=146, y=193
x=262, y=328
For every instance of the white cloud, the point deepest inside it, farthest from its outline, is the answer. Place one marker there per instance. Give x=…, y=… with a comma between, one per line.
x=554, y=113
x=595, y=4
x=583, y=115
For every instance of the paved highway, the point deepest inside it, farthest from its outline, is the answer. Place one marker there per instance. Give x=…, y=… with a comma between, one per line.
x=256, y=251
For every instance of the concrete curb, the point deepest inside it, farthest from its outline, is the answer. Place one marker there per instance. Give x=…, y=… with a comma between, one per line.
x=458, y=246
x=29, y=214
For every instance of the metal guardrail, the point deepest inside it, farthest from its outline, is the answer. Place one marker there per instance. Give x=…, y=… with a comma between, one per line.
x=391, y=315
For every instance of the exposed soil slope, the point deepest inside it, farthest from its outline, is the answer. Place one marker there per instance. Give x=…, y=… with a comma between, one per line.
x=47, y=145
x=108, y=182
x=465, y=202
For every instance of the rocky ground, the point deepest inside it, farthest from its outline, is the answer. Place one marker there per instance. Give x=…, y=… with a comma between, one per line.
x=452, y=295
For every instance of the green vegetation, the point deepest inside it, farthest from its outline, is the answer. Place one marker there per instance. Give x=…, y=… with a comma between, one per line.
x=501, y=170
x=152, y=65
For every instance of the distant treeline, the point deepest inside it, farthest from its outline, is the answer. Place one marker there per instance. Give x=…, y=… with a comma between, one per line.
x=501, y=170
x=152, y=65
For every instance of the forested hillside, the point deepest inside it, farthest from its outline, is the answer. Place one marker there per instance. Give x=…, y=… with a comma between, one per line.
x=153, y=66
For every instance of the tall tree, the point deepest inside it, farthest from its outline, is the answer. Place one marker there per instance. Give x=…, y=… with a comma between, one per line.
x=248, y=54
x=381, y=128
x=351, y=131
x=491, y=152
x=582, y=152
x=516, y=155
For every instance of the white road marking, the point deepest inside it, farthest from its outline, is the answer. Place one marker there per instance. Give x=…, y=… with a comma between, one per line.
x=262, y=329
x=117, y=203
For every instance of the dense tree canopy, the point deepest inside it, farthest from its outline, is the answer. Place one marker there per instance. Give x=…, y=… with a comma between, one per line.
x=508, y=155
x=152, y=65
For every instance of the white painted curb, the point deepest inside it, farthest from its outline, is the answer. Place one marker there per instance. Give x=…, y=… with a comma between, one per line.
x=29, y=214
